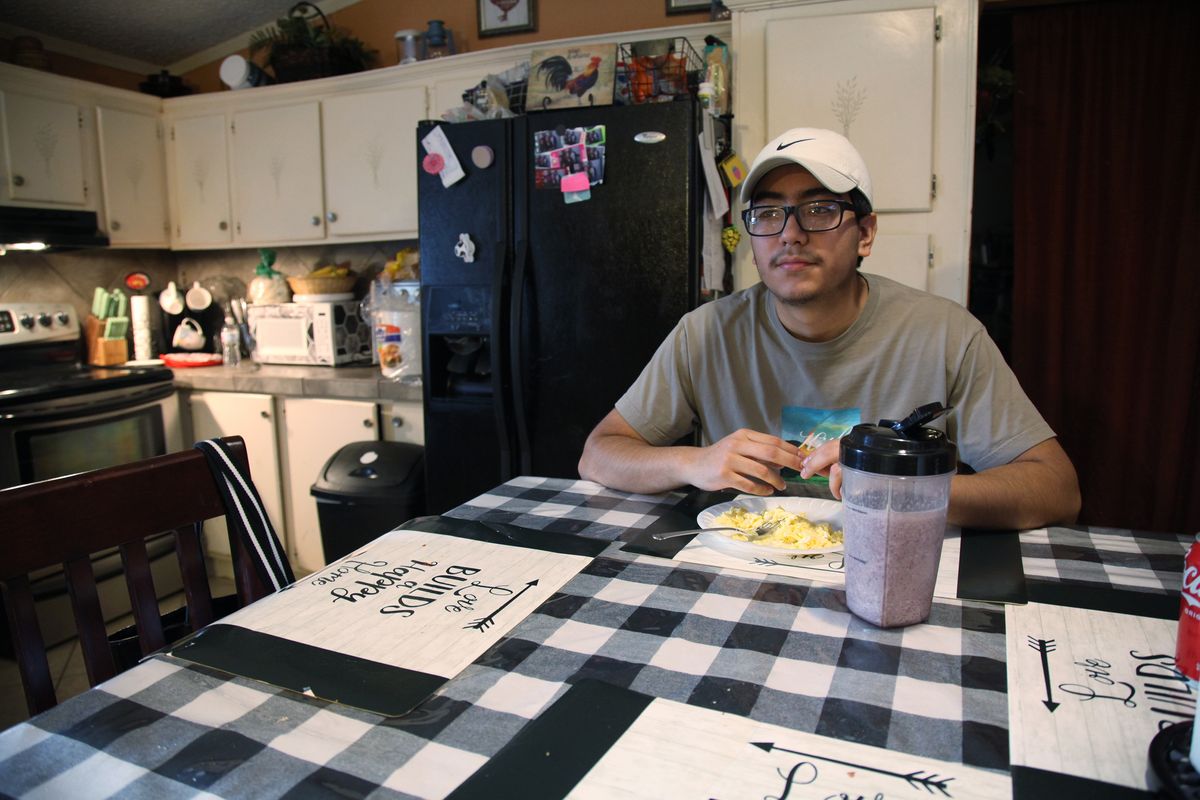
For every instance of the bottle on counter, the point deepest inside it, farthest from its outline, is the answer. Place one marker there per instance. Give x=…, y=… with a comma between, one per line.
x=231, y=342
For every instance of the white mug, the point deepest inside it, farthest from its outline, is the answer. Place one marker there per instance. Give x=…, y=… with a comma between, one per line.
x=188, y=335
x=171, y=299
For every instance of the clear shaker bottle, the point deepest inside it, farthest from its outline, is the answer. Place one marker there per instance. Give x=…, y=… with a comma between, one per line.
x=895, y=495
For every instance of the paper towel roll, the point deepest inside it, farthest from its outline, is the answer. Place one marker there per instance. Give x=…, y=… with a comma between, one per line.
x=139, y=311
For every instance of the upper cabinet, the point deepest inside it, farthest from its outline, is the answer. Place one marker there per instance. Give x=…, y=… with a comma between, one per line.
x=277, y=174
x=301, y=167
x=43, y=152
x=133, y=177
x=370, y=147
x=199, y=181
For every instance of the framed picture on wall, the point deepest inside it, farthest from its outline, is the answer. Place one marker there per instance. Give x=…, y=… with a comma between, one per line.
x=688, y=6
x=499, y=17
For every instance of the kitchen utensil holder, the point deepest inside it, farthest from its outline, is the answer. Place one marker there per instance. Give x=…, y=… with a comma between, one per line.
x=103, y=352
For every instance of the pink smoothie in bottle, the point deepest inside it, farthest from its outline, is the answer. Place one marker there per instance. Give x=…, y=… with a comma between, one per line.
x=895, y=494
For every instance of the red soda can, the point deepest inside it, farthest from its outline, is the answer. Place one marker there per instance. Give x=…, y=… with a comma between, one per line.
x=1187, y=646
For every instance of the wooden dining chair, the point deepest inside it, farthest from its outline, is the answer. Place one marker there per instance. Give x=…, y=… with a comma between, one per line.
x=64, y=521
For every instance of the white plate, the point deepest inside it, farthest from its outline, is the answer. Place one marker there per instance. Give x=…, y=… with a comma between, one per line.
x=815, y=508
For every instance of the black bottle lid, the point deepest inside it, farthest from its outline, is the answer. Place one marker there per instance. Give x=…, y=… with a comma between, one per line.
x=905, y=447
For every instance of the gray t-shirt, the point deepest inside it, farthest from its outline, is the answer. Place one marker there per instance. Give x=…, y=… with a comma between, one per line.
x=731, y=364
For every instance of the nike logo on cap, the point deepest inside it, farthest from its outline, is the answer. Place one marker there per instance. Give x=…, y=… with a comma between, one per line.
x=786, y=145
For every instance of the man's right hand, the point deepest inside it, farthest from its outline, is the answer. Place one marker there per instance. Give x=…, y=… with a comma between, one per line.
x=617, y=456
x=746, y=460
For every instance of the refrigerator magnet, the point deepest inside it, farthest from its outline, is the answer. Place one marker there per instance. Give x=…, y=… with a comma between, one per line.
x=465, y=249
x=433, y=163
x=436, y=143
x=482, y=156
x=576, y=187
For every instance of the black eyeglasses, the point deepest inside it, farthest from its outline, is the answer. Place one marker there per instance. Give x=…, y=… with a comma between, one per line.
x=819, y=215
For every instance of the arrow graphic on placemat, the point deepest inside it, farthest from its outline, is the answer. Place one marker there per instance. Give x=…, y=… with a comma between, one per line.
x=916, y=778
x=487, y=622
x=1045, y=647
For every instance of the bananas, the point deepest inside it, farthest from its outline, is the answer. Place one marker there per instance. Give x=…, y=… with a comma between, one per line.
x=331, y=271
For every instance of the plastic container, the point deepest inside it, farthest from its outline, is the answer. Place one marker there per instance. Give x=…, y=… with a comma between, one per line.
x=231, y=342
x=895, y=495
x=365, y=490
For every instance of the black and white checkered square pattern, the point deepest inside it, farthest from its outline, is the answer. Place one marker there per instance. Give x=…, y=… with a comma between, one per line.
x=582, y=508
x=1105, y=557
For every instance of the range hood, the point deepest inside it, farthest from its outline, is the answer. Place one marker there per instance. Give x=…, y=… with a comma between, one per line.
x=24, y=228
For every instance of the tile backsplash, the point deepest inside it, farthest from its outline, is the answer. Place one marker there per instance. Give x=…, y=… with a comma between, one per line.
x=71, y=276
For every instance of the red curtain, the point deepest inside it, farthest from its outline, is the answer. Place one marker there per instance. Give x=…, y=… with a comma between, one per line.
x=1106, y=286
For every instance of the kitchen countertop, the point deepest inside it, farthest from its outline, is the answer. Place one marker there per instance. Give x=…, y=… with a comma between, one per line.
x=355, y=382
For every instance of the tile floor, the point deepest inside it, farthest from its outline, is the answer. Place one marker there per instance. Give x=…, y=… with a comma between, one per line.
x=66, y=664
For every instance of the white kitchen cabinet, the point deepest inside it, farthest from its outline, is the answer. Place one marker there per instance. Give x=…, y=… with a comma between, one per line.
x=401, y=421
x=133, y=177
x=251, y=416
x=277, y=174
x=370, y=147
x=198, y=174
x=44, y=150
x=313, y=430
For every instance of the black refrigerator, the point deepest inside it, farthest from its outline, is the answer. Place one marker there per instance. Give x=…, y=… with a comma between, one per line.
x=530, y=343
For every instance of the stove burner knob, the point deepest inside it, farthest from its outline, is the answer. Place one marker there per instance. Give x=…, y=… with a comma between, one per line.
x=44, y=319
x=63, y=318
x=27, y=321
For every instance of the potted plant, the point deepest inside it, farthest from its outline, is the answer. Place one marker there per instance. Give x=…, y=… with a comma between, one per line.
x=298, y=48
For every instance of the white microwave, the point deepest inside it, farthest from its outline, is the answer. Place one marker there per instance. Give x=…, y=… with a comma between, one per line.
x=327, y=333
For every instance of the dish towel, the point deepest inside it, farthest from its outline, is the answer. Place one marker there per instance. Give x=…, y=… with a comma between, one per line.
x=245, y=514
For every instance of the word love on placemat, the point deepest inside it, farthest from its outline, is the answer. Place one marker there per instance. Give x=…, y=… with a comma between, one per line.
x=1087, y=691
x=385, y=627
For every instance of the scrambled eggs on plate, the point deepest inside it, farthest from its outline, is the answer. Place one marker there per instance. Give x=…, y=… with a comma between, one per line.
x=794, y=531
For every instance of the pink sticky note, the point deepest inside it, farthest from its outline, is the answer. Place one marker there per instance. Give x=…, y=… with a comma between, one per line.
x=575, y=182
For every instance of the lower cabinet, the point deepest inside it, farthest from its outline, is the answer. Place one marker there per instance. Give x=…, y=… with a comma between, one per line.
x=251, y=416
x=401, y=421
x=312, y=430
x=289, y=440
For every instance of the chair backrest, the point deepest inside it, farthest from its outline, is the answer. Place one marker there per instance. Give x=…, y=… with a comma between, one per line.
x=64, y=521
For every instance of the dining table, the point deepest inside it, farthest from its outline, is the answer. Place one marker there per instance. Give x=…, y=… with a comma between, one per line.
x=645, y=667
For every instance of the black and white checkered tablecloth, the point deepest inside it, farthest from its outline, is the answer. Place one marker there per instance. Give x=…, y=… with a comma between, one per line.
x=772, y=648
x=1105, y=557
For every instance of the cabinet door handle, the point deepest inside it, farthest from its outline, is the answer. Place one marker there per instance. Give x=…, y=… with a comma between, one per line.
x=316, y=220
x=116, y=226
x=264, y=415
x=397, y=422
x=331, y=216
x=18, y=180
x=368, y=423
x=224, y=225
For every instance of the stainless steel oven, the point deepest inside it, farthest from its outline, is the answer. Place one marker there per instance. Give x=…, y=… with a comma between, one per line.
x=59, y=416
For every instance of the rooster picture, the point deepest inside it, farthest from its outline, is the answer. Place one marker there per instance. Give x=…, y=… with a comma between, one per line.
x=557, y=72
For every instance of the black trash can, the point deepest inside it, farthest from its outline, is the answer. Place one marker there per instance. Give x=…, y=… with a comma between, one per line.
x=366, y=489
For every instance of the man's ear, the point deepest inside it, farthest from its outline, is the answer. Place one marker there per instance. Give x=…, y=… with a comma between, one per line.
x=867, y=226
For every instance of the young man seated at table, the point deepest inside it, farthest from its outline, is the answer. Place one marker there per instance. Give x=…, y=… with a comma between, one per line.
x=816, y=337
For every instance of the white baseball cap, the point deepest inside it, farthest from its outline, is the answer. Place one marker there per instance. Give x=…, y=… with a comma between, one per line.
x=827, y=155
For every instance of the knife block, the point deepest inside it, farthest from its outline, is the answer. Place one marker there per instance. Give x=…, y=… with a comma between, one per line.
x=103, y=352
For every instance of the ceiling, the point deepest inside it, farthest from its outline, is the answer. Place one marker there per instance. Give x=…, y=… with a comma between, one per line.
x=145, y=35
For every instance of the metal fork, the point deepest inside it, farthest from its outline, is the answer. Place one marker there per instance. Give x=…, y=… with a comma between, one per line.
x=757, y=533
